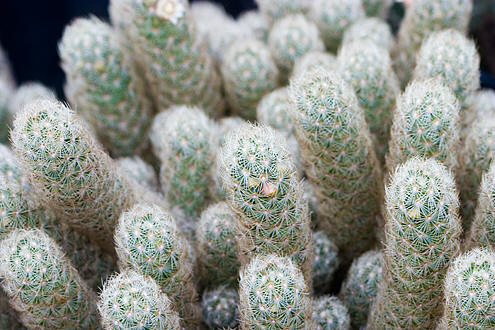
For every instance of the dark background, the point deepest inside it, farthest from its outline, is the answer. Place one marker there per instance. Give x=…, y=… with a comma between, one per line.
x=31, y=29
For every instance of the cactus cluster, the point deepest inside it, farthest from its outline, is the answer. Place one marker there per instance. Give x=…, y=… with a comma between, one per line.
x=422, y=237
x=337, y=150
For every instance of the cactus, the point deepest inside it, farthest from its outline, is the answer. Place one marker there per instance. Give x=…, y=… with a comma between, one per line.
x=333, y=17
x=219, y=308
x=372, y=28
x=264, y=191
x=425, y=124
x=475, y=159
x=256, y=22
x=290, y=38
x=469, y=292
x=6, y=70
x=422, y=231
x=273, y=111
x=249, y=72
x=273, y=295
x=422, y=18
x=217, y=245
x=313, y=60
x=276, y=10
x=483, y=102
x=378, y=8
x=177, y=66
x=184, y=139
x=358, y=292
x=451, y=56
x=325, y=261
x=330, y=314
x=5, y=92
x=130, y=300
x=483, y=228
x=138, y=171
x=68, y=169
x=149, y=242
x=340, y=161
x=42, y=284
x=104, y=90
x=368, y=69
x=27, y=93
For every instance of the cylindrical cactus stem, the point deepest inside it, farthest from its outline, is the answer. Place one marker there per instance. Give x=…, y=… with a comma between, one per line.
x=249, y=72
x=421, y=19
x=290, y=38
x=330, y=314
x=42, y=284
x=103, y=88
x=177, y=66
x=184, y=139
x=333, y=17
x=148, y=241
x=469, y=292
x=372, y=28
x=274, y=295
x=482, y=231
x=220, y=308
x=423, y=232
x=217, y=245
x=325, y=261
x=6, y=70
x=5, y=120
x=68, y=169
x=276, y=10
x=337, y=150
x=312, y=60
x=378, y=8
x=130, y=300
x=265, y=192
x=138, y=171
x=425, y=124
x=256, y=22
x=358, y=292
x=475, y=159
x=368, y=69
x=453, y=58
x=27, y=93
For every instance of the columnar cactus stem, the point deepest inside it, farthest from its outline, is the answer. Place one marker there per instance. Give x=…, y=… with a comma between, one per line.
x=368, y=69
x=42, y=284
x=130, y=300
x=422, y=18
x=425, y=124
x=74, y=177
x=217, y=245
x=276, y=10
x=5, y=92
x=423, y=231
x=475, y=159
x=290, y=38
x=373, y=28
x=184, y=139
x=313, y=60
x=340, y=161
x=27, y=93
x=177, y=66
x=469, y=292
x=103, y=88
x=358, y=292
x=330, y=314
x=453, y=58
x=483, y=228
x=378, y=8
x=274, y=295
x=220, y=308
x=148, y=241
x=138, y=171
x=325, y=261
x=264, y=191
x=333, y=17
x=249, y=72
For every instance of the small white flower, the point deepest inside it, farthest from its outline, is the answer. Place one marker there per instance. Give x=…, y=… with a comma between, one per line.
x=171, y=10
